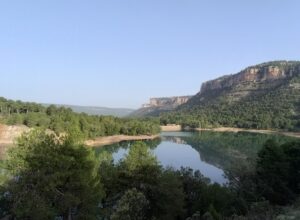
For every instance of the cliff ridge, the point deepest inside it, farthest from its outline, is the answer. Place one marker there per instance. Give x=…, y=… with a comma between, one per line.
x=159, y=105
x=256, y=74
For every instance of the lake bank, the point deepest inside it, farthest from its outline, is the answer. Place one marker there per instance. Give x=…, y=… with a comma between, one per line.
x=230, y=129
x=9, y=133
x=100, y=141
x=172, y=127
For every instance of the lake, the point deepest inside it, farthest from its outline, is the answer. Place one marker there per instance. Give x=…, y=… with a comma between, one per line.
x=212, y=153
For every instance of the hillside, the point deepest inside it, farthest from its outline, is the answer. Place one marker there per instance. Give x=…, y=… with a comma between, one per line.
x=263, y=96
x=94, y=110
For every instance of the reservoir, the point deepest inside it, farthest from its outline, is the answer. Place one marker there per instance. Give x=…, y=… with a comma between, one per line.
x=214, y=154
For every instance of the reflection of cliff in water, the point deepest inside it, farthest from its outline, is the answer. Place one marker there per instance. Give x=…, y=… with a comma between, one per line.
x=225, y=149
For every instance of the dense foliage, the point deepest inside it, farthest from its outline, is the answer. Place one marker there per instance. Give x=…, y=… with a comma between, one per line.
x=278, y=169
x=60, y=119
x=51, y=177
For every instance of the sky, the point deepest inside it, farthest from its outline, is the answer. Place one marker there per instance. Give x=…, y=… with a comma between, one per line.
x=119, y=53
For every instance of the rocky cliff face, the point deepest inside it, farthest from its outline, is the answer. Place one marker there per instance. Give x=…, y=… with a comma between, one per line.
x=158, y=105
x=260, y=73
x=167, y=101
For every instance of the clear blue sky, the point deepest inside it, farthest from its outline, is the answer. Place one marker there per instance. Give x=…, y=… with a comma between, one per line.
x=118, y=53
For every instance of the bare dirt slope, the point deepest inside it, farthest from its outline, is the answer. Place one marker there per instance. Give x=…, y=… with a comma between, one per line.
x=8, y=133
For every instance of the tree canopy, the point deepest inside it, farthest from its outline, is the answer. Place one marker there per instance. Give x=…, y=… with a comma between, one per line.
x=51, y=176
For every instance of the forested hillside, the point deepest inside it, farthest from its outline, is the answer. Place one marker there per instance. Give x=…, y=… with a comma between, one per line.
x=265, y=96
x=60, y=119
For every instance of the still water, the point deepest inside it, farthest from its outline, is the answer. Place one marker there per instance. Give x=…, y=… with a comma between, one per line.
x=212, y=153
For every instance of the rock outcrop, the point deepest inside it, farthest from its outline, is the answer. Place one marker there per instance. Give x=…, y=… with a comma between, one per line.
x=167, y=101
x=158, y=105
x=259, y=73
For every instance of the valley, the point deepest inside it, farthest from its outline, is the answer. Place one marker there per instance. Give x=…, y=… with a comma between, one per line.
x=150, y=110
x=219, y=142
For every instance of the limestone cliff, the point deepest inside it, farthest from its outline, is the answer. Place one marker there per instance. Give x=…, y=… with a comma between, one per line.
x=167, y=101
x=257, y=74
x=158, y=105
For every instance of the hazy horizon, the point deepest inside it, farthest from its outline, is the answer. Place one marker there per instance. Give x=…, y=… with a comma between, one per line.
x=119, y=54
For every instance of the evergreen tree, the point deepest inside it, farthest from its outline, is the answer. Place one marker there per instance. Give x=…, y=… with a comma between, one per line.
x=50, y=177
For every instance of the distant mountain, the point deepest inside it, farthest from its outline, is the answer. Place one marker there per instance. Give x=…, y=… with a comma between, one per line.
x=158, y=105
x=261, y=96
x=92, y=110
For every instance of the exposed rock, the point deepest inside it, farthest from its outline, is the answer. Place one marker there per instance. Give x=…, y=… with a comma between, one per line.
x=167, y=101
x=259, y=73
x=157, y=105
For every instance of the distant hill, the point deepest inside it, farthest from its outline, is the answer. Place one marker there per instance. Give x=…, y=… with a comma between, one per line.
x=261, y=96
x=157, y=106
x=92, y=110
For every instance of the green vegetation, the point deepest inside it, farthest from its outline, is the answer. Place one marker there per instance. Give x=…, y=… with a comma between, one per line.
x=63, y=119
x=48, y=177
x=140, y=170
x=132, y=206
x=278, y=169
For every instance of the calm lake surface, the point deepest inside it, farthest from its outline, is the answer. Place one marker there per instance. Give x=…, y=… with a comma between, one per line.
x=212, y=153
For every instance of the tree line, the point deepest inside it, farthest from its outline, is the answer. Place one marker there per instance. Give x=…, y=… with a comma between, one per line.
x=60, y=119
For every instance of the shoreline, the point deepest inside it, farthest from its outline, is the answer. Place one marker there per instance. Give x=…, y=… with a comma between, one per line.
x=101, y=141
x=230, y=129
x=171, y=127
x=9, y=133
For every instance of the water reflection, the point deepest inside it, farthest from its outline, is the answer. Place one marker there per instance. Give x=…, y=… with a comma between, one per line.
x=177, y=154
x=210, y=152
